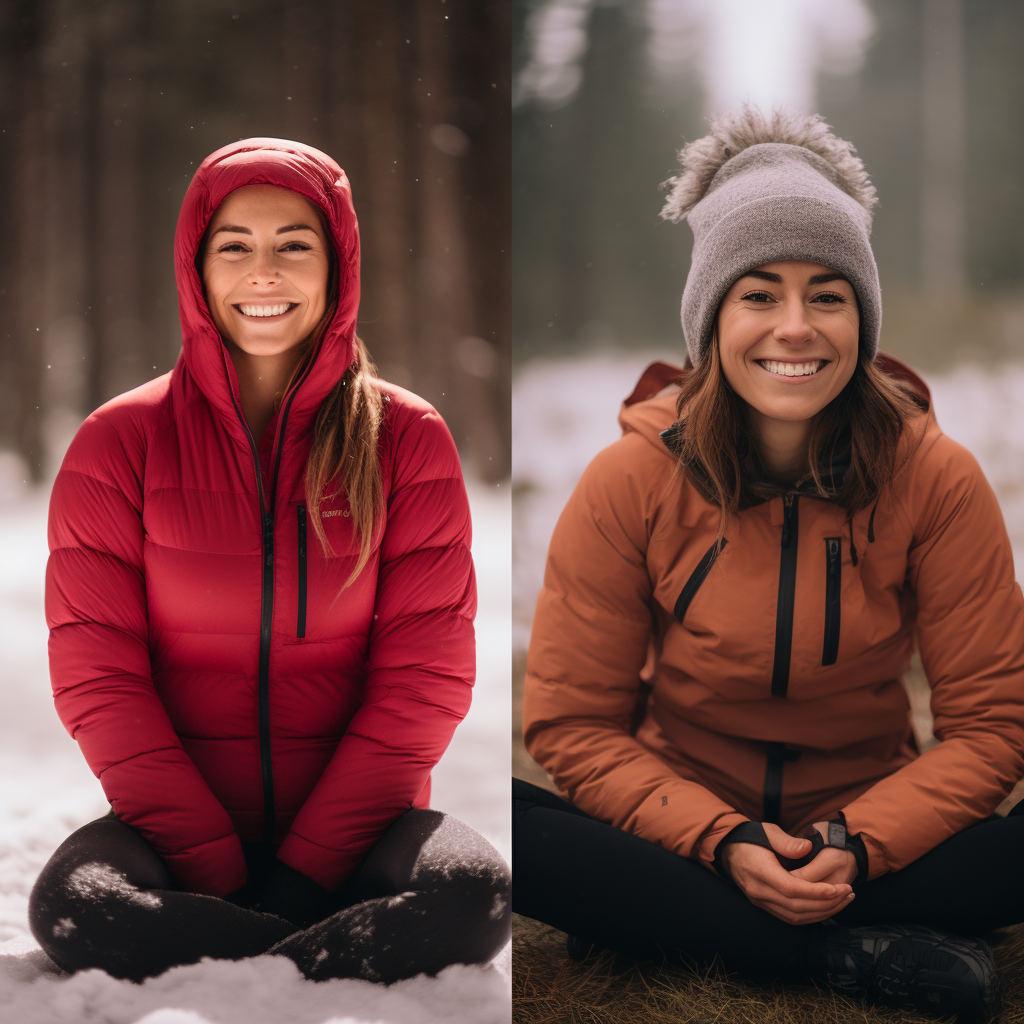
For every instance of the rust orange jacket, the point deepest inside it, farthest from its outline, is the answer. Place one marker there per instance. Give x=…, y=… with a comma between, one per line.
x=776, y=666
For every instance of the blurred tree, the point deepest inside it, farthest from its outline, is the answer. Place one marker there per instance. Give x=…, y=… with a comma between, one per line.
x=22, y=289
x=994, y=144
x=108, y=107
x=942, y=193
x=592, y=263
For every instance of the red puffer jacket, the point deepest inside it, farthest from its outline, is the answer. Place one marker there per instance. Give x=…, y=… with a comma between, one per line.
x=200, y=653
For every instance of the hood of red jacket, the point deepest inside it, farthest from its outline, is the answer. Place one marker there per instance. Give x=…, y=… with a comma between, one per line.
x=319, y=179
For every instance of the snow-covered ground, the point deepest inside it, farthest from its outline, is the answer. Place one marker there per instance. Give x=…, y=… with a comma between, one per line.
x=46, y=791
x=565, y=411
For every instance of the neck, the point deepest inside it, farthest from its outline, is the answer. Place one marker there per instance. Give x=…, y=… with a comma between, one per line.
x=260, y=379
x=782, y=445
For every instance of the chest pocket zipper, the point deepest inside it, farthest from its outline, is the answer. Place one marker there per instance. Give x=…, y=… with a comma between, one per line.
x=300, y=628
x=833, y=594
x=697, y=577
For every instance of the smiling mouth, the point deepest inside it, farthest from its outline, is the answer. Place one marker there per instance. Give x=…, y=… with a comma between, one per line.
x=263, y=312
x=781, y=369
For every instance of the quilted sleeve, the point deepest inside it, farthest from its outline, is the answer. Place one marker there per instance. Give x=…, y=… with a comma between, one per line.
x=589, y=642
x=100, y=667
x=970, y=629
x=421, y=661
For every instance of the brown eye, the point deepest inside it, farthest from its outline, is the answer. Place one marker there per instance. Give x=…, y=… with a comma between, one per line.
x=757, y=297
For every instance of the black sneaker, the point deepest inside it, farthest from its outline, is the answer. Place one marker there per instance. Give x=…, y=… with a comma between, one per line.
x=910, y=967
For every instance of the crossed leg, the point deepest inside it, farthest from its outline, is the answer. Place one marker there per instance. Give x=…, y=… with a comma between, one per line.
x=430, y=893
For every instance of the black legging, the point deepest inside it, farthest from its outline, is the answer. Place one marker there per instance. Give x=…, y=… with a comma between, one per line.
x=431, y=892
x=621, y=892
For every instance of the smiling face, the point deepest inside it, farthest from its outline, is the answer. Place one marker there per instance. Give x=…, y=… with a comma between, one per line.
x=788, y=340
x=265, y=266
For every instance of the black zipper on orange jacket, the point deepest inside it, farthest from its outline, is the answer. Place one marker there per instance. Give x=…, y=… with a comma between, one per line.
x=787, y=594
x=833, y=592
x=697, y=577
x=778, y=754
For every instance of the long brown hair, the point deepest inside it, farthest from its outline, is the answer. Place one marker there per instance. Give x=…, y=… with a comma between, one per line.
x=715, y=441
x=344, y=452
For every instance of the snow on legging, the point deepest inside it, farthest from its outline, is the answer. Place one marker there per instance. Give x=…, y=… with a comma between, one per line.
x=431, y=892
x=617, y=891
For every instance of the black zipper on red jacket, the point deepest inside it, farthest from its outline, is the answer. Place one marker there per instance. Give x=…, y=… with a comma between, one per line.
x=266, y=623
x=300, y=628
x=697, y=577
x=787, y=594
x=833, y=591
x=267, y=602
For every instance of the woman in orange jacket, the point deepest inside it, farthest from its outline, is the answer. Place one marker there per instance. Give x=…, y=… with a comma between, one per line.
x=732, y=596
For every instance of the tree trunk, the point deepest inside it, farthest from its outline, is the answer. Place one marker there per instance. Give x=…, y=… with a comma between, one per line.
x=942, y=192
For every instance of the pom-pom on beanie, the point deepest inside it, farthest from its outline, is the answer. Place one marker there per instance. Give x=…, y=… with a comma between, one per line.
x=756, y=190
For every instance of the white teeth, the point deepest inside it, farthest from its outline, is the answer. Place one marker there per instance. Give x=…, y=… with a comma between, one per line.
x=792, y=369
x=264, y=310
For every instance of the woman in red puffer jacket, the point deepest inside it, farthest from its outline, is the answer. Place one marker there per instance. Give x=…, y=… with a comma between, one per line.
x=260, y=598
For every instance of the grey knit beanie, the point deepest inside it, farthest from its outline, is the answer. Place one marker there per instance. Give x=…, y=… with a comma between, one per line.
x=756, y=190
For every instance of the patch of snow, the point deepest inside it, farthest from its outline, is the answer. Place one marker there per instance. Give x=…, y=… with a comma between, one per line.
x=96, y=881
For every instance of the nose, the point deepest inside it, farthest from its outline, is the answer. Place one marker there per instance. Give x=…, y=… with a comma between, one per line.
x=793, y=326
x=263, y=269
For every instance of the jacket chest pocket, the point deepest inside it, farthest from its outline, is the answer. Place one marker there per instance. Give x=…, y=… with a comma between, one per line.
x=833, y=598
x=300, y=626
x=697, y=577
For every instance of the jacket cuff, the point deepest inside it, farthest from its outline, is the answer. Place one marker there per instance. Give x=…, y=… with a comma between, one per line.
x=707, y=845
x=328, y=868
x=874, y=854
x=745, y=832
x=294, y=896
x=212, y=869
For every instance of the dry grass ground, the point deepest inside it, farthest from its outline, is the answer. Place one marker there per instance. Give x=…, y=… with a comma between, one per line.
x=548, y=988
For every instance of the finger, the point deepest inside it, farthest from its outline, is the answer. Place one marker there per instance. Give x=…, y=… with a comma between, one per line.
x=802, y=912
x=768, y=895
x=785, y=844
x=823, y=868
x=824, y=907
x=805, y=903
x=787, y=884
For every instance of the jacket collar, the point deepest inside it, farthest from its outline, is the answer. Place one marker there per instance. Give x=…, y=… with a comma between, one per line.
x=314, y=175
x=757, y=487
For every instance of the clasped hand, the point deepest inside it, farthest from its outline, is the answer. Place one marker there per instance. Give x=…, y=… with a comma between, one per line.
x=804, y=896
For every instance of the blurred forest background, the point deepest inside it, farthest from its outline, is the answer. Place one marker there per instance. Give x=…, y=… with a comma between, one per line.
x=108, y=106
x=931, y=92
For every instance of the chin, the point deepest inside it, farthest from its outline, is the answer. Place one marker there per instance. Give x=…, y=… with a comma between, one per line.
x=788, y=414
x=266, y=346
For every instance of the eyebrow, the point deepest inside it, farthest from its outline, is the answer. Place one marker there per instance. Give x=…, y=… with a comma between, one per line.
x=248, y=231
x=764, y=275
